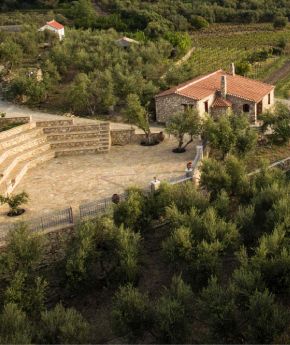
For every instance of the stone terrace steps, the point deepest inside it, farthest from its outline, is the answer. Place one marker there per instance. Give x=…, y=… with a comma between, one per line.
x=19, y=138
x=54, y=123
x=23, y=146
x=74, y=128
x=60, y=152
x=78, y=143
x=18, y=172
x=41, y=141
x=10, y=163
x=75, y=136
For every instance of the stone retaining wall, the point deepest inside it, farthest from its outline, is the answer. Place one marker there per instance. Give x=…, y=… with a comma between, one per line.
x=122, y=137
x=15, y=120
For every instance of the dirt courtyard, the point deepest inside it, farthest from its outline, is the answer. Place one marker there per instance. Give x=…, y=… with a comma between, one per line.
x=70, y=181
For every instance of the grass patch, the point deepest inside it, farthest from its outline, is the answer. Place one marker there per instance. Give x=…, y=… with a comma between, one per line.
x=271, y=153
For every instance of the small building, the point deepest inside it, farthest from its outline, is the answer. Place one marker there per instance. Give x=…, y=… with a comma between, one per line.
x=215, y=94
x=126, y=42
x=55, y=27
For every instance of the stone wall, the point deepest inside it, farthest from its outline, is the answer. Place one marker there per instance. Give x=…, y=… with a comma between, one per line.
x=14, y=120
x=238, y=104
x=218, y=112
x=122, y=137
x=169, y=105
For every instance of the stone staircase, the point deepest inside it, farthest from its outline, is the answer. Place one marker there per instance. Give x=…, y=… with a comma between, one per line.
x=26, y=146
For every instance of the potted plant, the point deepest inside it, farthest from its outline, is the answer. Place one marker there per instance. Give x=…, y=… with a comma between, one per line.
x=14, y=202
x=2, y=114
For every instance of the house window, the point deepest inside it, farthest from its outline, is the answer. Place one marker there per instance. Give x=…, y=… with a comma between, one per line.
x=246, y=108
x=206, y=106
x=269, y=98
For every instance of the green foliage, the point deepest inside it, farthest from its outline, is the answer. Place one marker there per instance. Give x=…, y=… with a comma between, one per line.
x=243, y=68
x=128, y=252
x=230, y=133
x=280, y=22
x=241, y=312
x=63, y=326
x=24, y=252
x=199, y=22
x=14, y=326
x=102, y=251
x=28, y=294
x=279, y=121
x=131, y=313
x=179, y=40
x=11, y=52
x=14, y=201
x=136, y=114
x=198, y=241
x=229, y=176
x=266, y=319
x=185, y=123
x=129, y=212
x=216, y=305
x=173, y=313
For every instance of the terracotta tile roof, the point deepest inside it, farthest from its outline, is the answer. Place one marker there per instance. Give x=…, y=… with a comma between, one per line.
x=55, y=25
x=202, y=87
x=220, y=102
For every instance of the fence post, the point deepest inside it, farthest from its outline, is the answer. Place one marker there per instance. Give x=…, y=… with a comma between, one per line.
x=71, y=215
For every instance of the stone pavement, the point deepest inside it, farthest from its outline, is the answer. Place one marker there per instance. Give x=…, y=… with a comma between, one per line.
x=69, y=181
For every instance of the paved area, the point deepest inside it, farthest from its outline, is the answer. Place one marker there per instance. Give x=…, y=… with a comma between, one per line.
x=69, y=181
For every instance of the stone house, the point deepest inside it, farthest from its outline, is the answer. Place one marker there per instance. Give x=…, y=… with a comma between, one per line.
x=55, y=27
x=215, y=94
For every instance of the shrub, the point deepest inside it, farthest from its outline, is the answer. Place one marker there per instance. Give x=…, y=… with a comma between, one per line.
x=24, y=252
x=199, y=22
x=14, y=326
x=266, y=319
x=280, y=22
x=128, y=252
x=131, y=313
x=27, y=293
x=14, y=202
x=63, y=326
x=129, y=212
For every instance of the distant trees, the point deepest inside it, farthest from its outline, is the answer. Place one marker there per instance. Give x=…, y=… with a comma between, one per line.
x=280, y=22
x=11, y=53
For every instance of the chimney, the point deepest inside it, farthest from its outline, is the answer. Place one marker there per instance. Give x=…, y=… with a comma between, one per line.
x=224, y=86
x=233, y=69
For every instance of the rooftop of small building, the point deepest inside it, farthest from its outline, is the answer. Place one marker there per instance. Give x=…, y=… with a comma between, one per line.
x=207, y=85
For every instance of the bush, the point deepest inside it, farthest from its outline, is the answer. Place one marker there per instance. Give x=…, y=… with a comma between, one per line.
x=129, y=212
x=24, y=252
x=14, y=202
x=131, y=313
x=128, y=253
x=280, y=22
x=14, y=326
x=199, y=22
x=63, y=326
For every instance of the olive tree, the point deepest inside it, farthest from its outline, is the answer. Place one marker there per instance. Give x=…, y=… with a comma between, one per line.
x=137, y=115
x=182, y=124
